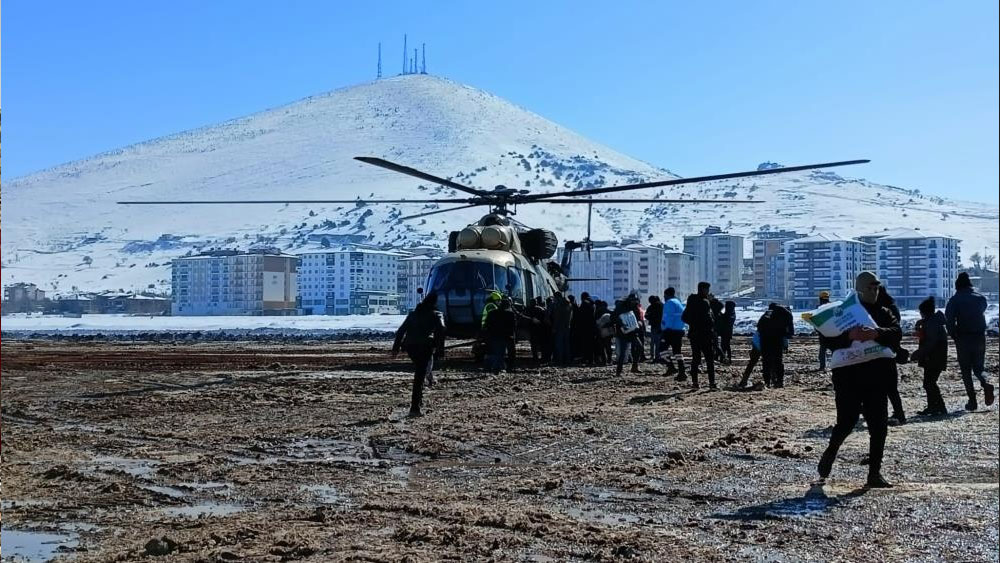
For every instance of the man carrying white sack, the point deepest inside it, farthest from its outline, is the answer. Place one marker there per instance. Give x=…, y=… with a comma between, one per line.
x=863, y=388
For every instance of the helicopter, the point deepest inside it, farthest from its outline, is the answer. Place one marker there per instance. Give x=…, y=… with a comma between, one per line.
x=498, y=253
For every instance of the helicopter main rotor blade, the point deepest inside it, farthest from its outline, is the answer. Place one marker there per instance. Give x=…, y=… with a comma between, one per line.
x=695, y=179
x=290, y=201
x=651, y=200
x=435, y=212
x=381, y=162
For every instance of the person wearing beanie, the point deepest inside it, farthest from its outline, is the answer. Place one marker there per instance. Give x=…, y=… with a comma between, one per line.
x=966, y=318
x=863, y=389
x=932, y=354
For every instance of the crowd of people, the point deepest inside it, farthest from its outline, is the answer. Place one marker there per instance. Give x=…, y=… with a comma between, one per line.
x=564, y=331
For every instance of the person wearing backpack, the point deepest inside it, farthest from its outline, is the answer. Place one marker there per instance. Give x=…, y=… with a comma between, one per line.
x=605, y=333
x=774, y=327
x=422, y=336
x=701, y=333
x=626, y=334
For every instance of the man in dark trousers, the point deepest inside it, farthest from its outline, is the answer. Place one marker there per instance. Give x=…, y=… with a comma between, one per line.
x=902, y=357
x=932, y=354
x=824, y=298
x=967, y=327
x=654, y=318
x=774, y=326
x=626, y=334
x=421, y=335
x=562, y=321
x=672, y=332
x=701, y=333
x=501, y=326
x=864, y=388
x=540, y=329
x=586, y=334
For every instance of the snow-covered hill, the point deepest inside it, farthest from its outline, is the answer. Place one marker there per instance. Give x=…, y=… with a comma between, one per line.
x=62, y=227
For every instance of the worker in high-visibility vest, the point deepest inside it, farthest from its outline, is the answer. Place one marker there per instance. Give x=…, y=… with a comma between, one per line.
x=492, y=304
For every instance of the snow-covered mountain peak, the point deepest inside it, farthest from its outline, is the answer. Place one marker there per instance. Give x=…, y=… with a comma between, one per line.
x=63, y=228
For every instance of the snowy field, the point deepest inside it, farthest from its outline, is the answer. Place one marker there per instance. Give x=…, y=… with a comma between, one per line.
x=124, y=323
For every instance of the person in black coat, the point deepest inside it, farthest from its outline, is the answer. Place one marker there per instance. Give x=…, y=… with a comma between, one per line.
x=701, y=333
x=902, y=356
x=724, y=324
x=501, y=326
x=774, y=326
x=654, y=318
x=864, y=388
x=421, y=335
x=932, y=354
x=586, y=334
x=966, y=317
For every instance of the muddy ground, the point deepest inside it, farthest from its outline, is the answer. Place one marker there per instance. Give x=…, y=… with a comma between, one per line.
x=286, y=452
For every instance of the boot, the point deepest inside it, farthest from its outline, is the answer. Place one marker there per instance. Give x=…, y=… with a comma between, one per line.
x=681, y=376
x=988, y=396
x=876, y=481
x=826, y=463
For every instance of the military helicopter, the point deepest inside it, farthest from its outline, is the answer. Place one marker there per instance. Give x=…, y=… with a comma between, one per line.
x=497, y=253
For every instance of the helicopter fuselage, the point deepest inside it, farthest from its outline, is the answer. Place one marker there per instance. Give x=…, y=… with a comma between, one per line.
x=464, y=279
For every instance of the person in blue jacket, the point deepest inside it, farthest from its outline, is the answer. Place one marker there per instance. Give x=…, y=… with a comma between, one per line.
x=672, y=334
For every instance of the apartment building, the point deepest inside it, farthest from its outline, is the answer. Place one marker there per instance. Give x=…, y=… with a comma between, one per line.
x=228, y=282
x=821, y=262
x=769, y=263
x=335, y=281
x=683, y=273
x=720, y=259
x=915, y=264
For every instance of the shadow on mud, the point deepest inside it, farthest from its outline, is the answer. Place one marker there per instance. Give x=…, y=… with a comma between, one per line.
x=815, y=501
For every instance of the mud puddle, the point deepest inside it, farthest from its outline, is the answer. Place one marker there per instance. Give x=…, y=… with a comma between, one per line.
x=26, y=545
x=201, y=510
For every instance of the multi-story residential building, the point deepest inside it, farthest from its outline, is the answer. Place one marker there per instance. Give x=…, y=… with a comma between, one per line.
x=820, y=263
x=683, y=273
x=21, y=297
x=329, y=278
x=914, y=264
x=769, y=263
x=653, y=269
x=720, y=259
x=229, y=282
x=615, y=267
x=413, y=272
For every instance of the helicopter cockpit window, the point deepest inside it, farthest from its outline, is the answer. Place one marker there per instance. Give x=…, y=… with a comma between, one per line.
x=514, y=287
x=502, y=283
x=462, y=275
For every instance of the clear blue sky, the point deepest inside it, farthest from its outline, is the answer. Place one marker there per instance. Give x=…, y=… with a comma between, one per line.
x=695, y=88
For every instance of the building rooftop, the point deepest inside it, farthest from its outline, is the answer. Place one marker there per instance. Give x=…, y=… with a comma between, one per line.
x=824, y=237
x=909, y=234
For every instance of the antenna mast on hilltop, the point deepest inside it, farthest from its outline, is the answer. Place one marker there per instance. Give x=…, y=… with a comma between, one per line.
x=423, y=55
x=379, y=75
x=404, y=54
